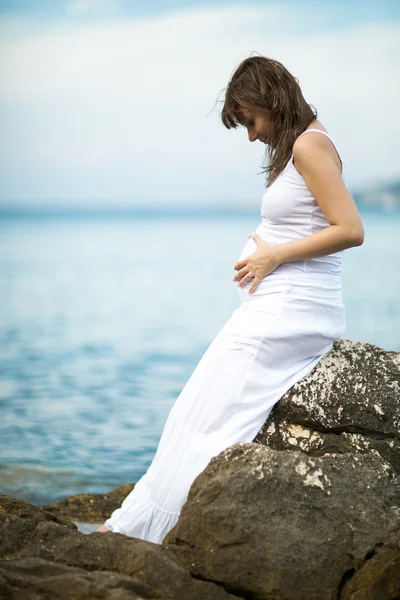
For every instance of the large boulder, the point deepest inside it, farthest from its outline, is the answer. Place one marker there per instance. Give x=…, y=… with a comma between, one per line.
x=311, y=510
x=46, y=557
x=350, y=402
x=279, y=524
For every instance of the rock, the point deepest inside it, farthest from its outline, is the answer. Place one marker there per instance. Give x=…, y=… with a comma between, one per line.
x=35, y=545
x=350, y=402
x=279, y=524
x=377, y=579
x=35, y=578
x=18, y=519
x=90, y=508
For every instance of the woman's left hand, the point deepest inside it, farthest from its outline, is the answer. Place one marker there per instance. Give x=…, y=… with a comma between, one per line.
x=256, y=266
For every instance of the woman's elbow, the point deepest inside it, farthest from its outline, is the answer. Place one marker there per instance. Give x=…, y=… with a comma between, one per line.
x=356, y=236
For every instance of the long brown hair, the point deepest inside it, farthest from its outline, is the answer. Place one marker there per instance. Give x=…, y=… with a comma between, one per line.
x=262, y=82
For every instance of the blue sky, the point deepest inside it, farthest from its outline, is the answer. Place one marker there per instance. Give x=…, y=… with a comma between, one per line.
x=339, y=10
x=111, y=102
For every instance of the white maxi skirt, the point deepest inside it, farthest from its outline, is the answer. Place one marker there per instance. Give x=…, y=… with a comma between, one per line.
x=268, y=344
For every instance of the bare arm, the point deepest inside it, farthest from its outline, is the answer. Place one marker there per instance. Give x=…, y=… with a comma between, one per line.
x=315, y=161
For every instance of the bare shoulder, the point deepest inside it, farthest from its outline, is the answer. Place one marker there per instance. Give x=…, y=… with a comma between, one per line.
x=314, y=147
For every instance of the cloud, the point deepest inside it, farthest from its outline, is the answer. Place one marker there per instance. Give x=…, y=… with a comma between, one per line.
x=123, y=110
x=84, y=7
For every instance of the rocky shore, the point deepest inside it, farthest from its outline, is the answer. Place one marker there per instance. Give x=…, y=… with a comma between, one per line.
x=90, y=508
x=309, y=511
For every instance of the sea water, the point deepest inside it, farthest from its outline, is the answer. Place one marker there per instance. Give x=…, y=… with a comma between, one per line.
x=102, y=321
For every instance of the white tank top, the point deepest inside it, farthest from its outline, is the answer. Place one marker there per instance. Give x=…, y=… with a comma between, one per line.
x=289, y=211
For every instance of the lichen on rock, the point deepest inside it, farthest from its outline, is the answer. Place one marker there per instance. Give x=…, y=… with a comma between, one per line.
x=350, y=402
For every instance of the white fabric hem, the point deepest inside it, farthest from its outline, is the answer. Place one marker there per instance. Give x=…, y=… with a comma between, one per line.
x=144, y=520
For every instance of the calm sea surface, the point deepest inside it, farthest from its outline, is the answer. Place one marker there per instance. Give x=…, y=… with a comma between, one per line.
x=102, y=322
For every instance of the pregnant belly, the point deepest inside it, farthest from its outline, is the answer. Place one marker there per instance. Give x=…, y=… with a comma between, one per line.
x=249, y=247
x=272, y=284
x=243, y=292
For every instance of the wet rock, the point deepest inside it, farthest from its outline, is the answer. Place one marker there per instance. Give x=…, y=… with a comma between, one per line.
x=139, y=569
x=350, y=402
x=283, y=525
x=90, y=508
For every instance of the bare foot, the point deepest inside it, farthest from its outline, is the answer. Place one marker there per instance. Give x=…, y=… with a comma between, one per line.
x=103, y=529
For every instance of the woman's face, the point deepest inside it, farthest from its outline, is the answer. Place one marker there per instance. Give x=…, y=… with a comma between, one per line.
x=258, y=123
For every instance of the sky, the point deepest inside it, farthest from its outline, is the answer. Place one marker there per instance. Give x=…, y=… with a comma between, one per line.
x=116, y=103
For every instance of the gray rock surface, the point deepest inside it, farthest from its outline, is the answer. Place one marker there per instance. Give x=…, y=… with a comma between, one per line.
x=282, y=525
x=44, y=556
x=35, y=578
x=350, y=402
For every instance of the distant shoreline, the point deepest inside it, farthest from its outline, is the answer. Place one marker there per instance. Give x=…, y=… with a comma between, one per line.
x=378, y=199
x=159, y=213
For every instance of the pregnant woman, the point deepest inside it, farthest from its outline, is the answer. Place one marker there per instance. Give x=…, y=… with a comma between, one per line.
x=289, y=284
